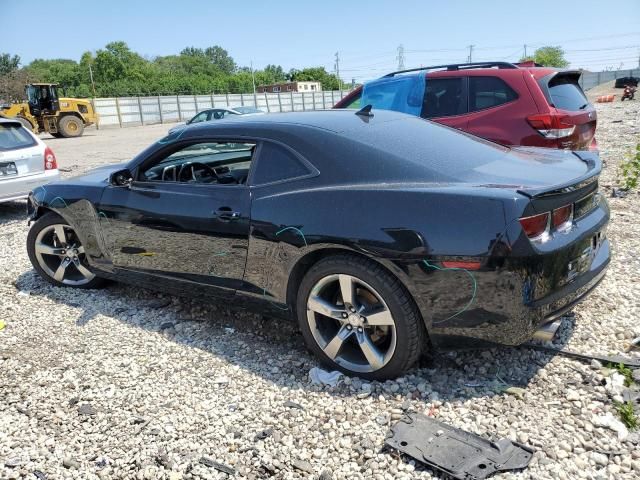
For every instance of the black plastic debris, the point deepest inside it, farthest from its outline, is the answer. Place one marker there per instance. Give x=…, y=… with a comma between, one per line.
x=461, y=455
x=263, y=434
x=218, y=466
x=290, y=404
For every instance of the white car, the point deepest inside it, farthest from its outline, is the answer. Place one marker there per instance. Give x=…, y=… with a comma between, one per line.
x=26, y=163
x=218, y=113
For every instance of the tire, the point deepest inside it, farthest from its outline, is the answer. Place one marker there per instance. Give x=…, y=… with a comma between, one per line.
x=25, y=123
x=398, y=336
x=70, y=126
x=56, y=135
x=51, y=254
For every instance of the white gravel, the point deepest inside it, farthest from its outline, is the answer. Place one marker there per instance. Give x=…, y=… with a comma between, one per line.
x=125, y=383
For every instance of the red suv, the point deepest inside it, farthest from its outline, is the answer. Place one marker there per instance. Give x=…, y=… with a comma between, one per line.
x=511, y=104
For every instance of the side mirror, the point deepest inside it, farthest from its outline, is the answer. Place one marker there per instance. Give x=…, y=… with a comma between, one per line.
x=121, y=178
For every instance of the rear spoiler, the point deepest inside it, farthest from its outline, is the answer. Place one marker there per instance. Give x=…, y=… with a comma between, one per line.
x=592, y=159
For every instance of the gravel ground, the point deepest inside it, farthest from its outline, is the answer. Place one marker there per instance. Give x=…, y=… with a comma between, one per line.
x=125, y=383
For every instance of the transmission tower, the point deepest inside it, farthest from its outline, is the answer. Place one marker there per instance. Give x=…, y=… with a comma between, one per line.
x=400, y=57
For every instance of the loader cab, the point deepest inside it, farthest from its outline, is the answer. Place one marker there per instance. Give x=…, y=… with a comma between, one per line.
x=43, y=98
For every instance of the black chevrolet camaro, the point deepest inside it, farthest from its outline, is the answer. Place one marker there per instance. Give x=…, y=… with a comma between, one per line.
x=383, y=234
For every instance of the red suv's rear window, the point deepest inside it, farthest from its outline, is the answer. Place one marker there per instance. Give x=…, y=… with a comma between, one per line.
x=566, y=93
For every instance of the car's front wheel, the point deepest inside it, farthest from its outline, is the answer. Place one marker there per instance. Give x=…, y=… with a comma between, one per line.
x=58, y=255
x=357, y=318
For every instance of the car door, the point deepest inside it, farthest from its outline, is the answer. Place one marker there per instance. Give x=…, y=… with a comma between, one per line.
x=178, y=221
x=445, y=101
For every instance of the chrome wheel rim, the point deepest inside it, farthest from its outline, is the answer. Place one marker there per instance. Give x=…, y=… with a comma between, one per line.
x=351, y=323
x=61, y=256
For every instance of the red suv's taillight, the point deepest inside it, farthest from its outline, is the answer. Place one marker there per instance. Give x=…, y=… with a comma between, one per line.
x=536, y=225
x=50, y=162
x=551, y=125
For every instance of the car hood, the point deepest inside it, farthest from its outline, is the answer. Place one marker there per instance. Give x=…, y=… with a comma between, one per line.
x=99, y=175
x=177, y=127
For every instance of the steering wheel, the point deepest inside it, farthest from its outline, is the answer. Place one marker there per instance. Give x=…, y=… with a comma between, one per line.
x=194, y=167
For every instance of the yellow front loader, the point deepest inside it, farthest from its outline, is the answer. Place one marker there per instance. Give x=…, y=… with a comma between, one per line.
x=44, y=111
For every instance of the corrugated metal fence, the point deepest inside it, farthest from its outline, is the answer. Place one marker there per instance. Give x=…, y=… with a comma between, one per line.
x=591, y=79
x=129, y=111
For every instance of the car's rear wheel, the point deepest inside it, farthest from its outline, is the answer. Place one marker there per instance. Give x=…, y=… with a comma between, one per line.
x=57, y=254
x=357, y=318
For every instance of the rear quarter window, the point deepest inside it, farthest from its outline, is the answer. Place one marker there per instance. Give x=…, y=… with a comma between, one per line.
x=13, y=137
x=276, y=163
x=488, y=92
x=566, y=94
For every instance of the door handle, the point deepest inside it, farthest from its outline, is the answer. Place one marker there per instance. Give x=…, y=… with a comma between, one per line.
x=226, y=214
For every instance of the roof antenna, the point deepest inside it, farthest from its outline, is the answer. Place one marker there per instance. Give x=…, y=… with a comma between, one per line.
x=365, y=111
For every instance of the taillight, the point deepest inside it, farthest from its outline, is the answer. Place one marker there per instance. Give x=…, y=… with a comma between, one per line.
x=551, y=125
x=562, y=215
x=50, y=162
x=536, y=225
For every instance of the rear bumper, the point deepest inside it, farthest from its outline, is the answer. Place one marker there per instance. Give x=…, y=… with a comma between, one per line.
x=509, y=303
x=19, y=187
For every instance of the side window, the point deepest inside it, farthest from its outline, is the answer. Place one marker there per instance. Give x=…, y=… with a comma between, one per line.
x=443, y=98
x=276, y=163
x=201, y=117
x=355, y=102
x=225, y=163
x=487, y=92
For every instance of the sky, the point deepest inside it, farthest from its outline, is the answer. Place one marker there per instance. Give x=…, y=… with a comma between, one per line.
x=367, y=35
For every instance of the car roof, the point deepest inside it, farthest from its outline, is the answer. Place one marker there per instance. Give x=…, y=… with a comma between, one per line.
x=334, y=120
x=4, y=120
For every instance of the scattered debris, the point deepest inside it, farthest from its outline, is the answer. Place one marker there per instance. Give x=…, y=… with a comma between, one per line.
x=263, y=434
x=2, y=324
x=157, y=303
x=218, y=466
x=609, y=421
x=319, y=376
x=221, y=380
x=69, y=462
x=629, y=362
x=86, y=409
x=516, y=392
x=290, y=404
x=13, y=462
x=302, y=465
x=40, y=475
x=635, y=343
x=461, y=455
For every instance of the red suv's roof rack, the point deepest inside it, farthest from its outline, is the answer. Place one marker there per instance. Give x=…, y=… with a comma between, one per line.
x=458, y=66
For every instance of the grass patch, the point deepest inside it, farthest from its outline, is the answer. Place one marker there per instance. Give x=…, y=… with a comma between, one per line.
x=627, y=415
x=630, y=170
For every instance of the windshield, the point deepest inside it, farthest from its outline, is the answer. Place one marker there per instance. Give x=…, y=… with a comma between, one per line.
x=402, y=93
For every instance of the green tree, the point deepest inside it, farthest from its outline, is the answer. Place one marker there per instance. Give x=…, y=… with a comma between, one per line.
x=549, y=57
x=316, y=74
x=8, y=63
x=220, y=58
x=117, y=61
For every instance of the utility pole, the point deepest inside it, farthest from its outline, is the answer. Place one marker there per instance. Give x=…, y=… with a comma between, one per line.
x=93, y=86
x=525, y=51
x=400, y=57
x=471, y=52
x=338, y=70
x=253, y=81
